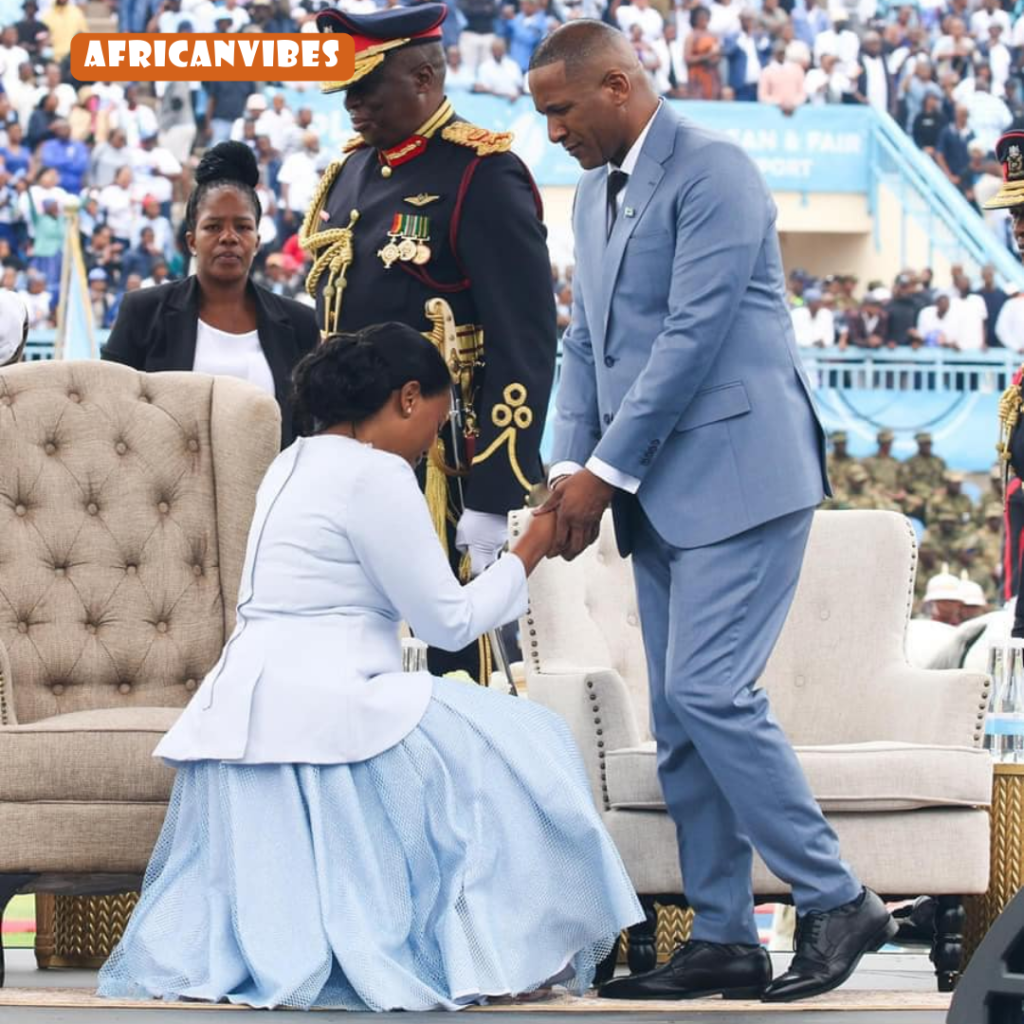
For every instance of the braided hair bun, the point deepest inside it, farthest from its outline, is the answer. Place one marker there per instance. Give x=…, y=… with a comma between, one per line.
x=350, y=377
x=228, y=161
x=226, y=165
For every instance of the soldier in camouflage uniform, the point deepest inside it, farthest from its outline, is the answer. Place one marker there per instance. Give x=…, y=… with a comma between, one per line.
x=995, y=493
x=968, y=551
x=927, y=566
x=859, y=494
x=942, y=535
x=990, y=536
x=953, y=499
x=838, y=464
x=884, y=468
x=921, y=476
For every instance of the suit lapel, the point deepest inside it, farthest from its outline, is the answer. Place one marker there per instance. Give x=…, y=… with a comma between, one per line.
x=182, y=326
x=643, y=183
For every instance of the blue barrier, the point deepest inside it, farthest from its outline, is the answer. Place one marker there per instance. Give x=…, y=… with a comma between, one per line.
x=955, y=395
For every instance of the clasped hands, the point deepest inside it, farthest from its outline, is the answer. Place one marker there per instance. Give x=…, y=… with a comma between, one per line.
x=571, y=517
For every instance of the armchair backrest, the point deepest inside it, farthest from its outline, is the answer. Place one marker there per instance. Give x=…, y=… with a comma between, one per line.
x=847, y=623
x=125, y=501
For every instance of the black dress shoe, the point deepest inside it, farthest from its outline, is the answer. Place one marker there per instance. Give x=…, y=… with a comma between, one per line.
x=697, y=970
x=829, y=946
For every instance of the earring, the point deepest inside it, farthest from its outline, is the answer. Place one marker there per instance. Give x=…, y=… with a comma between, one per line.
x=408, y=411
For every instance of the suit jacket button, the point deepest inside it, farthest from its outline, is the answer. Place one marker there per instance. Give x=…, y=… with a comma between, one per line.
x=609, y=361
x=607, y=418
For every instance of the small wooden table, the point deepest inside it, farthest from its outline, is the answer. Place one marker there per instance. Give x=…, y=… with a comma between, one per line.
x=1006, y=876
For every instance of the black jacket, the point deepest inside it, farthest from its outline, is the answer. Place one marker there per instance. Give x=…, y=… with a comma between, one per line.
x=156, y=329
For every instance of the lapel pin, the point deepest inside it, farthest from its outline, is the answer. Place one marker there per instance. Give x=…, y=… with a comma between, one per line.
x=629, y=211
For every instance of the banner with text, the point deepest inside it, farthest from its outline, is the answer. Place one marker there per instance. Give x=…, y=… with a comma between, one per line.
x=818, y=149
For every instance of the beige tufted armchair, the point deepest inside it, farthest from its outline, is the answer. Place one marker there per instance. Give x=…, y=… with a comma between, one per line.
x=892, y=753
x=125, y=501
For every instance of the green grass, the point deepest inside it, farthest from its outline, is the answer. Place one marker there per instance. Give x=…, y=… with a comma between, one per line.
x=21, y=908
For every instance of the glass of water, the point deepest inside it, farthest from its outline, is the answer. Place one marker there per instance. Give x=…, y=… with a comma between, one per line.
x=1004, y=725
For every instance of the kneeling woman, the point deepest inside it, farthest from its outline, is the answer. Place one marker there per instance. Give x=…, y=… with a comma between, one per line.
x=341, y=833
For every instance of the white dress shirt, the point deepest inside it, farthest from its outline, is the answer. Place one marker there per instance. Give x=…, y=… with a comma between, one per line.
x=609, y=474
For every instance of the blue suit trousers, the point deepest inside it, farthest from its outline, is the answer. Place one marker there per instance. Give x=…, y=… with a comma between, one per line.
x=732, y=783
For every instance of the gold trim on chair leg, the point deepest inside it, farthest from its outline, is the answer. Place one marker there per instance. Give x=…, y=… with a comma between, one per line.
x=1006, y=872
x=674, y=925
x=81, y=931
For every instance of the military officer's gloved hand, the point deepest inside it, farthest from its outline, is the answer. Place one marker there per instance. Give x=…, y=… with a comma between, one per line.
x=483, y=535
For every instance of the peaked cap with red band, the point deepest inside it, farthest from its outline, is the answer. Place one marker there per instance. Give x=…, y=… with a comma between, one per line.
x=375, y=35
x=1010, y=153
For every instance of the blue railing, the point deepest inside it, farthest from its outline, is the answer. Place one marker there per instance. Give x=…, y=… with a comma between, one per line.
x=951, y=223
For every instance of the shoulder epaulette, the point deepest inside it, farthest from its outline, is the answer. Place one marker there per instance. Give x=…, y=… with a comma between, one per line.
x=356, y=142
x=485, y=142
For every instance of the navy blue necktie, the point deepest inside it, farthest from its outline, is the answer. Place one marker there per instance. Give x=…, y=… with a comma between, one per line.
x=616, y=183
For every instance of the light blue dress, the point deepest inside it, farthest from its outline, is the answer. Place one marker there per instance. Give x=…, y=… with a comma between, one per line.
x=342, y=834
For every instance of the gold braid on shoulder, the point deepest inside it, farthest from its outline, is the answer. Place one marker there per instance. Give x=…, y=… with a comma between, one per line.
x=331, y=249
x=1010, y=406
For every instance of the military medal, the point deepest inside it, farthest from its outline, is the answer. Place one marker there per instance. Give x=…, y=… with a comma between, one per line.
x=407, y=241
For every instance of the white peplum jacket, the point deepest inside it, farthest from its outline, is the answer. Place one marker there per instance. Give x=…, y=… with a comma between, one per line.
x=341, y=550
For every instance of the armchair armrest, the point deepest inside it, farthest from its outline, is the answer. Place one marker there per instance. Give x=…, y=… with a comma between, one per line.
x=596, y=704
x=6, y=697
x=943, y=707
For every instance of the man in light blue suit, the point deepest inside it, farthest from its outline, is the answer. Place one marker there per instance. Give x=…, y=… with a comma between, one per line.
x=683, y=403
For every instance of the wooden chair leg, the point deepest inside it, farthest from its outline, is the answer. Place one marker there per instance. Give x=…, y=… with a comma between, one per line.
x=947, y=950
x=643, y=951
x=9, y=885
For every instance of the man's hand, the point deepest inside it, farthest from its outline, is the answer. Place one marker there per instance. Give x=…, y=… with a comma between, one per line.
x=579, y=502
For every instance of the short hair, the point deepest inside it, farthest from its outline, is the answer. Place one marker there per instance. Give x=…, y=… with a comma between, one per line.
x=576, y=44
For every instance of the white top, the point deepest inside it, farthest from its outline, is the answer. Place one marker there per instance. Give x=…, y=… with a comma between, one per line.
x=504, y=79
x=1010, y=324
x=813, y=330
x=969, y=315
x=232, y=355
x=341, y=550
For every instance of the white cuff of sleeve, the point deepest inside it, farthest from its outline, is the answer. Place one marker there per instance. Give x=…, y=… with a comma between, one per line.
x=613, y=476
x=562, y=469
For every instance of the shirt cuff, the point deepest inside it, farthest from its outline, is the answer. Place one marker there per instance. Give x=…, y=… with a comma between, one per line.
x=562, y=469
x=613, y=476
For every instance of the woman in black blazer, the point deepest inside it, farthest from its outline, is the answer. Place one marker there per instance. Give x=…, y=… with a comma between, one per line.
x=218, y=321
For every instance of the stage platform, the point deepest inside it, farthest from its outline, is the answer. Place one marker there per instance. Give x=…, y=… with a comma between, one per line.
x=888, y=988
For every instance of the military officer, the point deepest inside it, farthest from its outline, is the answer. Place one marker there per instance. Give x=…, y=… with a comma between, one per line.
x=884, y=468
x=424, y=206
x=1010, y=197
x=921, y=476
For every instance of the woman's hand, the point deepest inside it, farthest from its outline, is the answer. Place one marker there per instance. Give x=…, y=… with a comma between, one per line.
x=537, y=542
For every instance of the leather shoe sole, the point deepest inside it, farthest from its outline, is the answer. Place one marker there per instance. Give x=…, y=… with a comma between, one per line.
x=607, y=992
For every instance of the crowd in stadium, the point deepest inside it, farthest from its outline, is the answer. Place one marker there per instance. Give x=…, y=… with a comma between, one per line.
x=949, y=72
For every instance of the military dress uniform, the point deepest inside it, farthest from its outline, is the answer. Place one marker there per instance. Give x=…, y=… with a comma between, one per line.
x=1010, y=153
x=449, y=214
